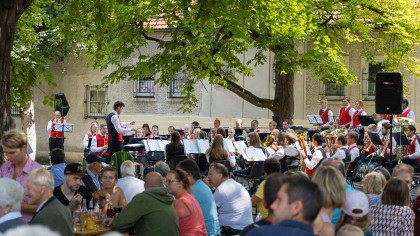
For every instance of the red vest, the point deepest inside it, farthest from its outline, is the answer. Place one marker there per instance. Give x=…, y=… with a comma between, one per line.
x=405, y=114
x=89, y=135
x=370, y=149
x=344, y=116
x=387, y=116
x=324, y=116
x=356, y=120
x=57, y=134
x=100, y=142
x=412, y=148
x=120, y=135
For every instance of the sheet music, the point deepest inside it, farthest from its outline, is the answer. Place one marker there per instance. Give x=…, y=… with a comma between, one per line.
x=146, y=145
x=240, y=145
x=190, y=146
x=162, y=144
x=315, y=119
x=246, y=155
x=154, y=145
x=228, y=144
x=256, y=154
x=64, y=127
x=203, y=145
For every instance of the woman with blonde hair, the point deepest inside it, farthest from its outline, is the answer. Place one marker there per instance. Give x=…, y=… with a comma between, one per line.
x=373, y=185
x=217, y=150
x=333, y=188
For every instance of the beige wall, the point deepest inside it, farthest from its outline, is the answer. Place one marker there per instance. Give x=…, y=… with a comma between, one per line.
x=72, y=75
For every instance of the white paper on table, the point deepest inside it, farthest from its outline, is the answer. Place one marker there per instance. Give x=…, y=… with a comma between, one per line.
x=240, y=145
x=257, y=154
x=228, y=144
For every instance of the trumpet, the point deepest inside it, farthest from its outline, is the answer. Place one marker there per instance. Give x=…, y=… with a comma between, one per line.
x=301, y=135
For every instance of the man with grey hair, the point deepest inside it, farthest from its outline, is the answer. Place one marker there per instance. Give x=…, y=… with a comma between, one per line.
x=50, y=213
x=11, y=194
x=130, y=185
x=162, y=168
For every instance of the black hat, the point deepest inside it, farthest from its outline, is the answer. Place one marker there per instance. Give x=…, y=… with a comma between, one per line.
x=93, y=157
x=74, y=169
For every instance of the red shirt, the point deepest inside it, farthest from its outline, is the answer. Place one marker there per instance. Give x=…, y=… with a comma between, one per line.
x=190, y=217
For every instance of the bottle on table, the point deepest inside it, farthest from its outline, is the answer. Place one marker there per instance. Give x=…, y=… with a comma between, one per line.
x=90, y=221
x=109, y=210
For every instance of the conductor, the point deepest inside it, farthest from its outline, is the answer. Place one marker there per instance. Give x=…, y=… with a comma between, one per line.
x=116, y=129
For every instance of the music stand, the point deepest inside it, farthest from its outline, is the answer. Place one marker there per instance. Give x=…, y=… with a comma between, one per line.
x=127, y=138
x=239, y=138
x=180, y=131
x=366, y=120
x=401, y=138
x=64, y=127
x=315, y=119
x=374, y=137
x=133, y=140
x=238, y=131
x=263, y=135
x=361, y=133
x=165, y=136
x=207, y=130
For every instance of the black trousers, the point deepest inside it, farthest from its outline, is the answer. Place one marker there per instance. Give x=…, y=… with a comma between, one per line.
x=115, y=147
x=56, y=143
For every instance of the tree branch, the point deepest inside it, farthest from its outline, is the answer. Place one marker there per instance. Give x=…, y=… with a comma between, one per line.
x=23, y=6
x=151, y=38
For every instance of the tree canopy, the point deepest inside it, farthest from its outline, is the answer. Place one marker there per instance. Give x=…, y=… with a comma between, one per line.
x=204, y=37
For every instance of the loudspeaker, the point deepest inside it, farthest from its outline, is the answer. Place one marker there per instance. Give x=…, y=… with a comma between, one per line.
x=389, y=93
x=61, y=104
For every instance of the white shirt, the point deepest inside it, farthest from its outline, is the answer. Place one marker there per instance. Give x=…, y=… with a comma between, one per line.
x=94, y=145
x=410, y=115
x=416, y=153
x=86, y=141
x=351, y=113
x=280, y=153
x=363, y=113
x=379, y=126
x=355, y=152
x=41, y=205
x=316, y=158
x=330, y=118
x=10, y=216
x=131, y=186
x=340, y=153
x=50, y=123
x=115, y=120
x=233, y=205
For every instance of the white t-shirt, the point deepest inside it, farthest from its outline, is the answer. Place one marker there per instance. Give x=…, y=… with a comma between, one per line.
x=131, y=186
x=233, y=205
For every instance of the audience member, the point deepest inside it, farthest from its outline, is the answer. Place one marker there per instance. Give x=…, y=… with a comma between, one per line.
x=190, y=217
x=355, y=212
x=271, y=188
x=50, y=212
x=91, y=179
x=150, y=212
x=373, y=185
x=11, y=194
x=70, y=193
x=297, y=205
x=203, y=195
x=57, y=158
x=174, y=148
x=130, y=185
x=393, y=215
x=332, y=186
x=232, y=200
x=33, y=230
x=18, y=166
x=384, y=171
x=162, y=168
x=109, y=190
x=271, y=165
x=350, y=230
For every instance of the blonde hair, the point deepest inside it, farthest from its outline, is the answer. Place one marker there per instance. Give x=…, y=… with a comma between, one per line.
x=14, y=139
x=372, y=127
x=360, y=102
x=350, y=230
x=374, y=183
x=332, y=185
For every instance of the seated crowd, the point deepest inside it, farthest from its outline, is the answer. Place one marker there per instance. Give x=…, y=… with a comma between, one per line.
x=301, y=190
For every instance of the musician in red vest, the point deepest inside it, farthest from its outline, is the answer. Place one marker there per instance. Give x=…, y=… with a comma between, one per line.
x=355, y=122
x=325, y=114
x=100, y=142
x=386, y=128
x=56, y=137
x=155, y=132
x=318, y=156
x=346, y=114
x=286, y=126
x=413, y=156
x=407, y=112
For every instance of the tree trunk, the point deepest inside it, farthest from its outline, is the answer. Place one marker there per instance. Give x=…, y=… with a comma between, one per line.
x=27, y=117
x=283, y=98
x=8, y=20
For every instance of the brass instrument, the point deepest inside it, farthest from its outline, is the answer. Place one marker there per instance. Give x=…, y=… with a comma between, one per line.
x=302, y=135
x=327, y=134
x=269, y=141
x=388, y=140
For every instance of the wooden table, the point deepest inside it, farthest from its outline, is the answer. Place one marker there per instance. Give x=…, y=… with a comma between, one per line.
x=93, y=232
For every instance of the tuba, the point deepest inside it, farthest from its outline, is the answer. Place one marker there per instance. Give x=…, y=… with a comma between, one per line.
x=269, y=142
x=302, y=135
x=328, y=135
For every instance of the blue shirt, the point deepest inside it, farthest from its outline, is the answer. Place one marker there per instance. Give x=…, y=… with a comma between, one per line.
x=95, y=178
x=57, y=171
x=287, y=227
x=204, y=197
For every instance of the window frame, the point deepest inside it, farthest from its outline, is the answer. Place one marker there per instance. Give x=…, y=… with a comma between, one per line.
x=150, y=94
x=88, y=101
x=365, y=77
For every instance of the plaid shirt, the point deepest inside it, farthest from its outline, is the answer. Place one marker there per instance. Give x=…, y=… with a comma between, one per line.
x=392, y=220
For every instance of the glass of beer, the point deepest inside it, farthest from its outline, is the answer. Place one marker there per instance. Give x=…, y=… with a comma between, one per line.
x=78, y=221
x=99, y=218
